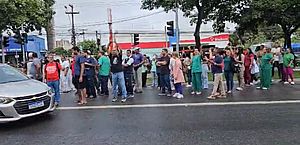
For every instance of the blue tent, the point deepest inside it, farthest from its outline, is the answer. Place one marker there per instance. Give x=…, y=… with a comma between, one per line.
x=296, y=47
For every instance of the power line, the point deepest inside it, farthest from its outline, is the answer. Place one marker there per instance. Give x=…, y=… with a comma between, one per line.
x=115, y=22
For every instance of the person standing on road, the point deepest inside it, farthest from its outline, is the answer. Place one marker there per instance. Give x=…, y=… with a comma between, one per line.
x=65, y=75
x=51, y=77
x=118, y=81
x=288, y=63
x=240, y=60
x=137, y=65
x=276, y=64
x=178, y=76
x=128, y=73
x=197, y=72
x=164, y=63
x=154, y=71
x=249, y=57
x=217, y=68
x=33, y=67
x=80, y=77
x=145, y=71
x=90, y=71
x=188, y=70
x=266, y=69
x=103, y=75
x=204, y=76
x=228, y=70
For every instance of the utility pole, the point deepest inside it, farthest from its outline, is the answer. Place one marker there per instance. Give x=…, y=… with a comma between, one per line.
x=72, y=13
x=177, y=27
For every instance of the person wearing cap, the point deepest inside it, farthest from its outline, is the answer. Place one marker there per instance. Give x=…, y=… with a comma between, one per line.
x=137, y=65
x=90, y=71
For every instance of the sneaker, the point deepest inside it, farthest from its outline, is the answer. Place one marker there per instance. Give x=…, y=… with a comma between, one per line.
x=56, y=104
x=264, y=88
x=258, y=87
x=169, y=95
x=114, y=99
x=131, y=96
x=175, y=95
x=180, y=96
x=173, y=89
x=239, y=89
x=162, y=94
x=292, y=83
x=229, y=92
x=123, y=100
x=198, y=93
x=188, y=86
x=248, y=85
x=286, y=83
x=251, y=84
x=193, y=93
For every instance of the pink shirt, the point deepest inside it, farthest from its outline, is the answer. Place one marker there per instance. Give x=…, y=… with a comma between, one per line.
x=177, y=72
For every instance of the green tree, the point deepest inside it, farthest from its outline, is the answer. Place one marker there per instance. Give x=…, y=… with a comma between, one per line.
x=283, y=13
x=89, y=45
x=25, y=15
x=200, y=11
x=61, y=51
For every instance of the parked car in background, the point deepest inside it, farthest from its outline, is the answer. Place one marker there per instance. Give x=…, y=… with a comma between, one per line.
x=22, y=97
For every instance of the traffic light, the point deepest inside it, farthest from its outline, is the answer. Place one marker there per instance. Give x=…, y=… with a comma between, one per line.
x=18, y=38
x=5, y=41
x=170, y=28
x=136, y=39
x=25, y=37
x=98, y=41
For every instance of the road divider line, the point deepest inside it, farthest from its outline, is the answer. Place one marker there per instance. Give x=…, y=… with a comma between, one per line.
x=180, y=105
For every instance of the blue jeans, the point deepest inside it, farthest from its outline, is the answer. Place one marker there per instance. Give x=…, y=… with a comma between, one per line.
x=104, y=84
x=165, y=83
x=154, y=79
x=229, y=80
x=205, y=76
x=119, y=81
x=54, y=85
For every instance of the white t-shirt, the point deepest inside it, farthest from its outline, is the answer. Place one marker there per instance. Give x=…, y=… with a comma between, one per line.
x=275, y=51
x=65, y=64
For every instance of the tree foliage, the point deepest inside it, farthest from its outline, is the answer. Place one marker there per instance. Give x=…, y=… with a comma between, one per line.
x=25, y=15
x=89, y=45
x=201, y=11
x=265, y=13
x=61, y=51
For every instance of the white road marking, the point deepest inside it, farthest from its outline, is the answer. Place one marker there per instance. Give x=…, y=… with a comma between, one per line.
x=180, y=105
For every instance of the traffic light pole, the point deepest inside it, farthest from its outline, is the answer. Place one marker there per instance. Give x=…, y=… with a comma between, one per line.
x=177, y=30
x=2, y=49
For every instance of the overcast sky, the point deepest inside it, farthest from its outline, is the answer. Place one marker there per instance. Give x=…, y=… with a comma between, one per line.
x=93, y=15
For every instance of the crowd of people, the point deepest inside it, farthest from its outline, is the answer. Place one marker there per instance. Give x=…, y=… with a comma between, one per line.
x=169, y=71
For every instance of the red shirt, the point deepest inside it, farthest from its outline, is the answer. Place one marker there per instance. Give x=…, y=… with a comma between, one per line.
x=73, y=67
x=51, y=71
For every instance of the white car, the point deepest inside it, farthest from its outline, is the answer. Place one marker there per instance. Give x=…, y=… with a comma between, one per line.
x=22, y=97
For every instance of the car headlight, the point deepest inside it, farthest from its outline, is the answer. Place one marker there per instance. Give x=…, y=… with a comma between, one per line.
x=4, y=100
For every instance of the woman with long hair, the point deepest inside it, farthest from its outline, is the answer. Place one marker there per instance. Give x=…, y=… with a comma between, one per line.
x=239, y=60
x=288, y=65
x=228, y=70
x=249, y=57
x=178, y=76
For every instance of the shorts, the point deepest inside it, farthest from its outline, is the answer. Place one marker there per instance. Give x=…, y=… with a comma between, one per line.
x=80, y=85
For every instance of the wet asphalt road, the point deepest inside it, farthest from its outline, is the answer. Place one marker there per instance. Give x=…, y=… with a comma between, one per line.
x=204, y=125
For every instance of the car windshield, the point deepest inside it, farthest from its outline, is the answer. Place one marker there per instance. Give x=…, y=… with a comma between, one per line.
x=10, y=74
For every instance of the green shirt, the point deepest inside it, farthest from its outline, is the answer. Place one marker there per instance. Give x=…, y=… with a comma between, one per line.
x=104, y=63
x=265, y=61
x=196, y=64
x=287, y=58
x=227, y=63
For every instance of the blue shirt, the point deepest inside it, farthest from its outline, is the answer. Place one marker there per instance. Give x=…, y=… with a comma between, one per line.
x=90, y=70
x=217, y=69
x=138, y=58
x=78, y=61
